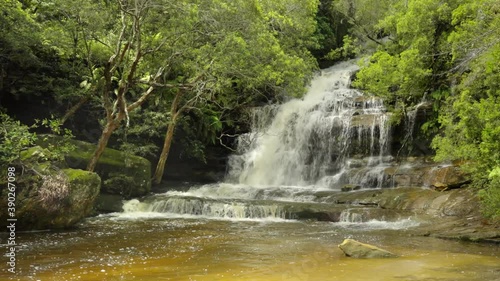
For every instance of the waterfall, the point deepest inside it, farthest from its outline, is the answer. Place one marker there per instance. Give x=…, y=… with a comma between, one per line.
x=332, y=136
x=296, y=154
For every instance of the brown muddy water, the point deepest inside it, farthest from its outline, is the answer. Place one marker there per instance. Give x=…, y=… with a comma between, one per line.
x=153, y=247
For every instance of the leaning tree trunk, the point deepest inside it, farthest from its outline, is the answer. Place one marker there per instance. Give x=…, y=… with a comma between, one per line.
x=103, y=142
x=160, y=167
x=74, y=109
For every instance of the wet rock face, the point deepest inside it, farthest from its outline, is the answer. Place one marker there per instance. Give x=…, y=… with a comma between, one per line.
x=457, y=203
x=408, y=138
x=355, y=249
x=423, y=172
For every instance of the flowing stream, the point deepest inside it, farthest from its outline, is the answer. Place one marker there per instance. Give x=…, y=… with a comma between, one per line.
x=148, y=246
x=258, y=224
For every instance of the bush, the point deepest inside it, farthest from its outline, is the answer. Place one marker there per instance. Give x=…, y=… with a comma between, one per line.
x=14, y=137
x=491, y=195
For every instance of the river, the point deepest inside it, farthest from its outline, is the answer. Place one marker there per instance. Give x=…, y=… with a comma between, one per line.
x=155, y=246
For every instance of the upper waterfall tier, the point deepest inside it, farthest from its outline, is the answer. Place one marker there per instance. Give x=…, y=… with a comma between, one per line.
x=310, y=141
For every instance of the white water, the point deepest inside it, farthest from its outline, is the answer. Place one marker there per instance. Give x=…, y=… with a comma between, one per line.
x=333, y=136
x=197, y=208
x=309, y=141
x=378, y=224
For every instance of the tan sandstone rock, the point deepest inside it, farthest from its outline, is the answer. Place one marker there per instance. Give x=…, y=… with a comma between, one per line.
x=355, y=249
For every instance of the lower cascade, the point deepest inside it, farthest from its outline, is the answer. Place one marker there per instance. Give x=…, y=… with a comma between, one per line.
x=206, y=208
x=331, y=138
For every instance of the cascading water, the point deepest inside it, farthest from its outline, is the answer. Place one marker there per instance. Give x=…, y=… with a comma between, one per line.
x=204, y=207
x=333, y=136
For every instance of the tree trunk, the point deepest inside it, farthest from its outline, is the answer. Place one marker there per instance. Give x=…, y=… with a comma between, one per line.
x=103, y=142
x=74, y=109
x=160, y=167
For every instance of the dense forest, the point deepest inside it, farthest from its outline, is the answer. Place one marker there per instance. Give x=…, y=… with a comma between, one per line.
x=140, y=75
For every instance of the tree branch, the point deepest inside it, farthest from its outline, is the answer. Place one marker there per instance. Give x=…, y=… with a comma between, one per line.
x=146, y=93
x=164, y=85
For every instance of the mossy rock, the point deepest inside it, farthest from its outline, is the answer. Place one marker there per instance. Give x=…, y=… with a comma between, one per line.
x=37, y=210
x=121, y=173
x=35, y=154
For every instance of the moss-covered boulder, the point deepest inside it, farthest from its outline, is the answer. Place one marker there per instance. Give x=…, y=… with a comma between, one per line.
x=49, y=198
x=121, y=173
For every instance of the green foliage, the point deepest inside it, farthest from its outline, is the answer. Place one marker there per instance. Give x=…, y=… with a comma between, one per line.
x=226, y=56
x=14, y=138
x=491, y=194
x=19, y=34
x=349, y=50
x=363, y=17
x=264, y=52
x=472, y=124
x=21, y=56
x=58, y=147
x=409, y=64
x=397, y=116
x=142, y=135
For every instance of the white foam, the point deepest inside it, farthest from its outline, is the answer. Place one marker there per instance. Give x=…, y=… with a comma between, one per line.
x=247, y=192
x=133, y=216
x=377, y=224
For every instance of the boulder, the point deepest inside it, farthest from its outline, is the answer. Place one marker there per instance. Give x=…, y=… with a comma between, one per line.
x=447, y=177
x=52, y=198
x=84, y=188
x=121, y=173
x=355, y=249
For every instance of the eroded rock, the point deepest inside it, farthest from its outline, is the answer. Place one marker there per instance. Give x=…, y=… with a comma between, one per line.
x=447, y=177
